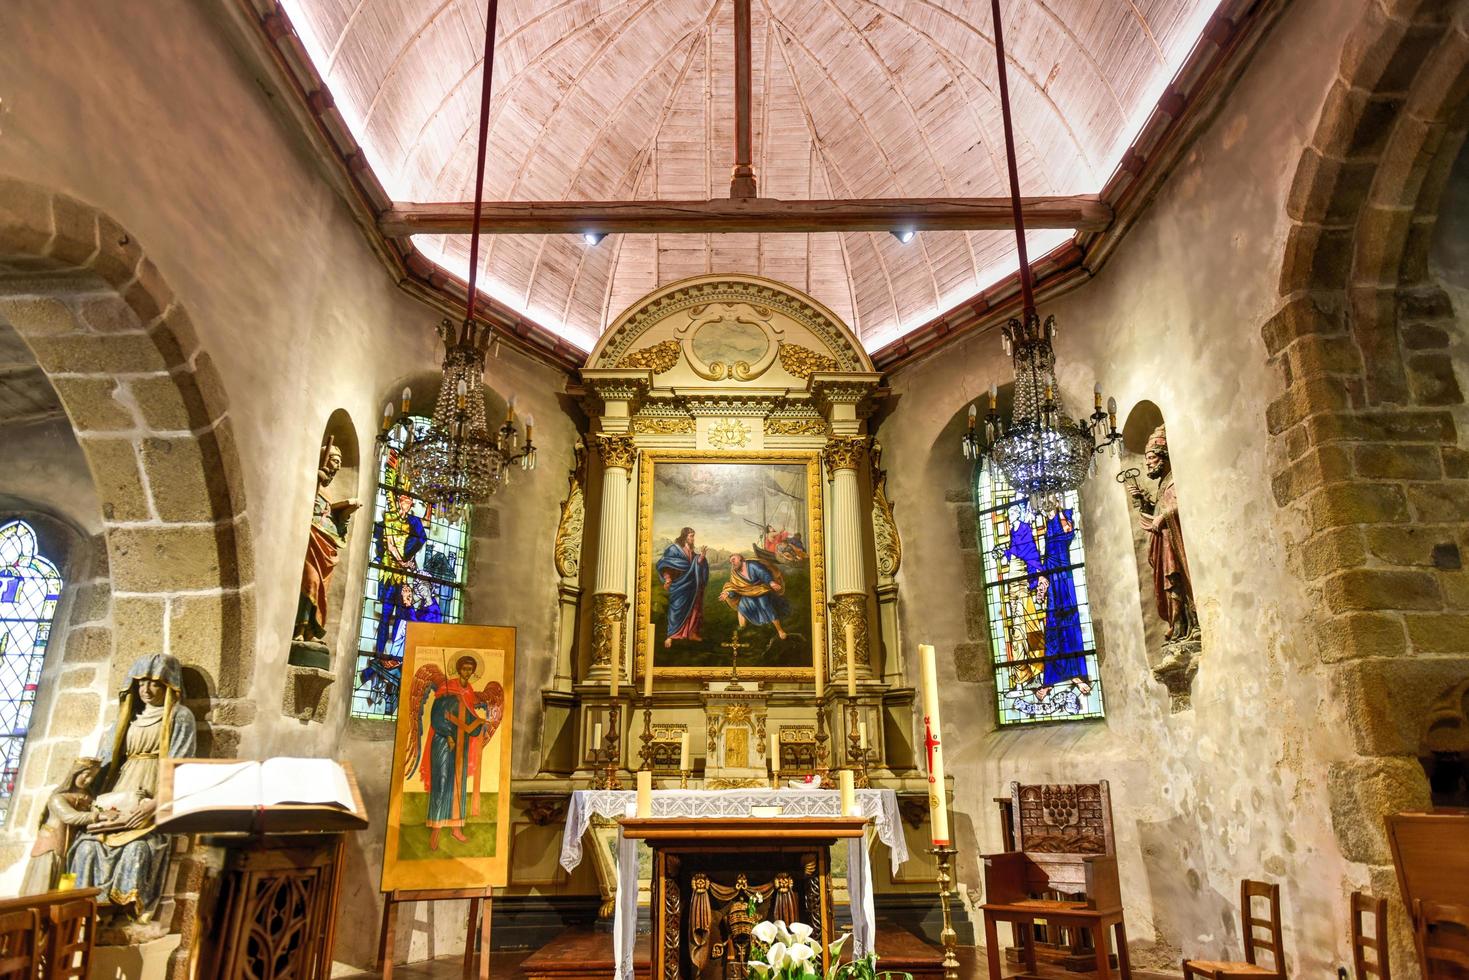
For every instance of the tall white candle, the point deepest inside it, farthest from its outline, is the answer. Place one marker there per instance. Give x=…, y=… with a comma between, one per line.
x=645, y=792
x=851, y=661
x=938, y=794
x=820, y=676
x=648, y=664
x=848, y=784
x=683, y=751
x=862, y=734
x=616, y=655
x=596, y=736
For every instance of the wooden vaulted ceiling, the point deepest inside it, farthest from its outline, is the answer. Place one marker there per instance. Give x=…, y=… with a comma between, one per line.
x=633, y=100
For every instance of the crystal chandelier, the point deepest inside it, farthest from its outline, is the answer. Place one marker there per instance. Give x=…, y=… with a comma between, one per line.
x=458, y=462
x=1040, y=451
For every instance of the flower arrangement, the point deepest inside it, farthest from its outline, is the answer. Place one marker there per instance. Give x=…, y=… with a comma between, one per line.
x=789, y=952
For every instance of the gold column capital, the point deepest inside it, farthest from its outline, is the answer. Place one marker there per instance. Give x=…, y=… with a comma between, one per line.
x=618, y=452
x=843, y=453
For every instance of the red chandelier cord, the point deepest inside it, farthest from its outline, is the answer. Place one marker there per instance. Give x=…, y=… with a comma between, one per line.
x=1027, y=288
x=479, y=171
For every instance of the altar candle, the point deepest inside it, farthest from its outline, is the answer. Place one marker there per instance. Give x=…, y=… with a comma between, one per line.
x=648, y=664
x=848, y=786
x=596, y=736
x=938, y=794
x=851, y=660
x=683, y=751
x=645, y=792
x=862, y=734
x=616, y=655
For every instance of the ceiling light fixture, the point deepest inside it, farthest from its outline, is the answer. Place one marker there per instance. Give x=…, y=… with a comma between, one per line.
x=593, y=238
x=1040, y=451
x=458, y=462
x=904, y=235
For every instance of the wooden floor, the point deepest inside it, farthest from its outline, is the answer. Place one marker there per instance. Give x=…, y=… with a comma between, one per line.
x=904, y=952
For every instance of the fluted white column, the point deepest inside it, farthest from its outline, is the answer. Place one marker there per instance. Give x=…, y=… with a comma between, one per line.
x=848, y=569
x=609, y=603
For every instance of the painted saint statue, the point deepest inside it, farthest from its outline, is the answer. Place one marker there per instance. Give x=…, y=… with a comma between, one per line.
x=461, y=721
x=1173, y=589
x=330, y=522
x=756, y=592
x=685, y=573
x=120, y=851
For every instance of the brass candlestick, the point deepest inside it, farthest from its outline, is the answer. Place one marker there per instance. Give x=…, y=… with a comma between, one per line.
x=857, y=754
x=822, y=768
x=646, y=752
x=683, y=778
x=610, y=753
x=948, y=937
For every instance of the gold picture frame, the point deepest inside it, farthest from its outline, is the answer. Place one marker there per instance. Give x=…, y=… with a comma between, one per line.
x=815, y=554
x=415, y=857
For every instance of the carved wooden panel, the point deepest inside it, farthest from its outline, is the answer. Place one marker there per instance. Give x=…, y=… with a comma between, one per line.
x=1063, y=818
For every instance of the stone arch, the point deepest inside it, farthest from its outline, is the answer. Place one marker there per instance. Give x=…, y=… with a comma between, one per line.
x=151, y=415
x=1366, y=455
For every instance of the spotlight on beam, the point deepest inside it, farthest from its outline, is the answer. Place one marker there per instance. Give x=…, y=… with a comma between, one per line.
x=904, y=235
x=593, y=238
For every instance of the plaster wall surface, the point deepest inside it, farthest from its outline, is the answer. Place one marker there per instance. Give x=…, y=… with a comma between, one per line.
x=148, y=113
x=1235, y=787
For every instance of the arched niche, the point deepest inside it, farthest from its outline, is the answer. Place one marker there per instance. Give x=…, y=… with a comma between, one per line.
x=1142, y=420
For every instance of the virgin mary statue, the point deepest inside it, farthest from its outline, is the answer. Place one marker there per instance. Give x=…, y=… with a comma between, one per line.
x=121, y=851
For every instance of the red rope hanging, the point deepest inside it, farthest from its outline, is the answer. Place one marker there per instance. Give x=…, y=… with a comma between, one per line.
x=479, y=169
x=1027, y=288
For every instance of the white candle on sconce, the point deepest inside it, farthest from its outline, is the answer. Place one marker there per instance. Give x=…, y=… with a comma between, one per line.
x=683, y=751
x=938, y=793
x=616, y=655
x=851, y=633
x=648, y=664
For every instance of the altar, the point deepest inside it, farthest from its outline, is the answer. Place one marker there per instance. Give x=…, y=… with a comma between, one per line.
x=880, y=807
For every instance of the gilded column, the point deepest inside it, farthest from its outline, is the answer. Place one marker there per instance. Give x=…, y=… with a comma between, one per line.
x=609, y=603
x=844, y=453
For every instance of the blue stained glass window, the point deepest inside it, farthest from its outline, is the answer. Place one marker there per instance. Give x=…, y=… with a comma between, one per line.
x=30, y=587
x=1035, y=592
x=415, y=573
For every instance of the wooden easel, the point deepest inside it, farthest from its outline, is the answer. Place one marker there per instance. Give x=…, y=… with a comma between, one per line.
x=391, y=901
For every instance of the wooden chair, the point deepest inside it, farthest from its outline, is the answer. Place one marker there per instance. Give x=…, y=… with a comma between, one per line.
x=1442, y=937
x=72, y=934
x=1063, y=844
x=20, y=936
x=1228, y=969
x=1367, y=908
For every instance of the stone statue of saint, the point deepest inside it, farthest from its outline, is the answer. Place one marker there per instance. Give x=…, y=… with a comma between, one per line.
x=120, y=850
x=1172, y=586
x=68, y=809
x=329, y=525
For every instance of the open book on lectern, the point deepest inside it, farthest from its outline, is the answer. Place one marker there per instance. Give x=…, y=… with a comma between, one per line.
x=284, y=795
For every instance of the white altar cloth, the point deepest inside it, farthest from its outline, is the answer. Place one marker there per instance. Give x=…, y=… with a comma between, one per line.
x=881, y=805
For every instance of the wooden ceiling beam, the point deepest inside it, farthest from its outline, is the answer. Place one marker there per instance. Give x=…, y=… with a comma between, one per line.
x=761, y=214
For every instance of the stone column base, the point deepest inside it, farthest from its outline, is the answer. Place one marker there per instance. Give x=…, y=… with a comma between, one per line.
x=143, y=961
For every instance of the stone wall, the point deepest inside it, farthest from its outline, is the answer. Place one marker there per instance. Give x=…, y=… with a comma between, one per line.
x=1267, y=775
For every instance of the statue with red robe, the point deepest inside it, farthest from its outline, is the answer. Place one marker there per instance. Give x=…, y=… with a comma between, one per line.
x=1173, y=589
x=330, y=522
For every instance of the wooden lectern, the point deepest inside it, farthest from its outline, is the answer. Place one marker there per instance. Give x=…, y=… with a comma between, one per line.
x=706, y=871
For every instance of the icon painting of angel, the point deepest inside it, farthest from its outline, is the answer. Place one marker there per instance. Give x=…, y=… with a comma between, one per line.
x=449, y=811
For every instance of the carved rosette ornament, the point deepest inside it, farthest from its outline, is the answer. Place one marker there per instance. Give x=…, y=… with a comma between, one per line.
x=849, y=608
x=843, y=453
x=618, y=452
x=607, y=608
x=802, y=362
x=729, y=434
x=657, y=358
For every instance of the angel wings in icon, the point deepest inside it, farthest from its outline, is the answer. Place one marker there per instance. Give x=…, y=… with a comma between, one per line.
x=460, y=720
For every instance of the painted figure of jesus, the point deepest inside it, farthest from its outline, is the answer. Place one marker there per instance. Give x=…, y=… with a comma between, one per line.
x=452, y=756
x=756, y=592
x=685, y=573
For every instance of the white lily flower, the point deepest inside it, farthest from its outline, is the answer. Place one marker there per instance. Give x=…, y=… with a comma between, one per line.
x=777, y=956
x=783, y=931
x=765, y=932
x=758, y=966
x=801, y=931
x=800, y=954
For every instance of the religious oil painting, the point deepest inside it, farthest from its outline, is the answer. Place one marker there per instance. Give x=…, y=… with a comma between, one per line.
x=449, y=806
x=415, y=574
x=1036, y=603
x=730, y=564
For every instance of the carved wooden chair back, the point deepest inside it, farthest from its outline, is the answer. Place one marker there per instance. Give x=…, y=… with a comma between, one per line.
x=73, y=931
x=20, y=934
x=1057, y=825
x=1248, y=892
x=1442, y=935
x=1367, y=908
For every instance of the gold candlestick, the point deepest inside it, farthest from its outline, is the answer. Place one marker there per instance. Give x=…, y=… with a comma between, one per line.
x=608, y=756
x=948, y=936
x=683, y=778
x=857, y=754
x=646, y=752
x=822, y=768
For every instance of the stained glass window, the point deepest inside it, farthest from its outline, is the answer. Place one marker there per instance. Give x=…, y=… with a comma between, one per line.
x=415, y=573
x=1035, y=595
x=30, y=587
